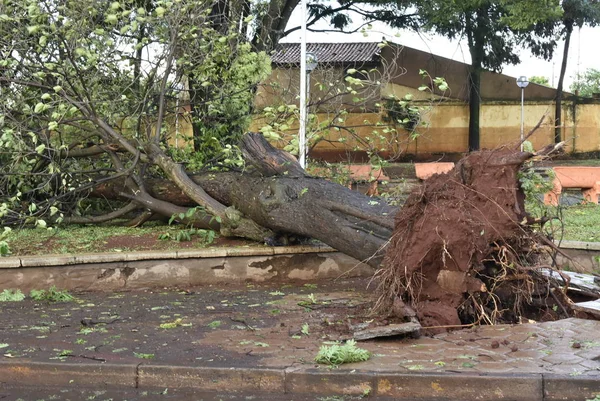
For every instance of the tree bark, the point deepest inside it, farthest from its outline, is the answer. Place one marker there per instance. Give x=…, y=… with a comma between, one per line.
x=559, y=87
x=232, y=222
x=476, y=49
x=474, y=107
x=353, y=223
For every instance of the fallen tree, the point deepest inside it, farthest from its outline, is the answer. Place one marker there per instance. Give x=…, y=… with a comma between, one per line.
x=463, y=249
x=277, y=194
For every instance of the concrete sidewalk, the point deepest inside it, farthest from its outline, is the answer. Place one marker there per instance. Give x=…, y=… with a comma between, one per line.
x=260, y=340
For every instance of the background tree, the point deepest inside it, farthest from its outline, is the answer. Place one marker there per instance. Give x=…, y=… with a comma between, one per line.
x=540, y=80
x=588, y=84
x=493, y=30
x=576, y=13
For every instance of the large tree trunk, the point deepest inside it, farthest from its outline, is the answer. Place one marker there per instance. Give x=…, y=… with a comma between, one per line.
x=277, y=194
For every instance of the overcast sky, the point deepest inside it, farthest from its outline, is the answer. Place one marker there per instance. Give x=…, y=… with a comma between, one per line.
x=583, y=53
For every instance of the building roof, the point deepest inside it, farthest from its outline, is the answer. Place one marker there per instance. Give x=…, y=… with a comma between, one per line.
x=343, y=53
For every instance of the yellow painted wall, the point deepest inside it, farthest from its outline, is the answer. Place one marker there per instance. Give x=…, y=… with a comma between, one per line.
x=447, y=126
x=585, y=133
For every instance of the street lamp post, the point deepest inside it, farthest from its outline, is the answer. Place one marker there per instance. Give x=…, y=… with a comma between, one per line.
x=522, y=83
x=308, y=63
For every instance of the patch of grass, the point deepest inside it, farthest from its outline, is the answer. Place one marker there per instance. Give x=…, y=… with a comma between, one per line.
x=10, y=295
x=581, y=223
x=73, y=238
x=570, y=223
x=337, y=354
x=51, y=295
x=89, y=330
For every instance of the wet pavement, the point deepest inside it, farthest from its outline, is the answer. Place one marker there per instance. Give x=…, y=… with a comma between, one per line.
x=260, y=340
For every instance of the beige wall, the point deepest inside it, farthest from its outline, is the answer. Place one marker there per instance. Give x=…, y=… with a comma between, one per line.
x=447, y=129
x=326, y=83
x=448, y=123
x=584, y=136
x=404, y=64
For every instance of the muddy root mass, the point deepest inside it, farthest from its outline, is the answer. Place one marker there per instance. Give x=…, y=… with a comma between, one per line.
x=461, y=251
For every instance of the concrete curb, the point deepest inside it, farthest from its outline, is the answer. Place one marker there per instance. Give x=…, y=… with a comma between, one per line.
x=143, y=270
x=304, y=381
x=584, y=255
x=588, y=246
x=91, y=258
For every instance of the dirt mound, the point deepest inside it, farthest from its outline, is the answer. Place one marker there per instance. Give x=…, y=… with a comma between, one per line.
x=460, y=241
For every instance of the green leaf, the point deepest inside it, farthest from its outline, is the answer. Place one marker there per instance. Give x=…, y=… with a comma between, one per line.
x=143, y=356
x=111, y=19
x=39, y=108
x=40, y=149
x=160, y=11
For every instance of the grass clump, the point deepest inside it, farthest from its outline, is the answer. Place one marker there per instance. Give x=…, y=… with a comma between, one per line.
x=10, y=295
x=581, y=222
x=51, y=295
x=337, y=354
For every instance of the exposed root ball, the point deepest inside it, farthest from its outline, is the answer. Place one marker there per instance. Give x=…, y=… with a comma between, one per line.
x=460, y=243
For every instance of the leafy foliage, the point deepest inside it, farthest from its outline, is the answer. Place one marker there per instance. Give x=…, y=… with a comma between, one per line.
x=207, y=236
x=535, y=185
x=4, y=247
x=588, y=84
x=52, y=295
x=88, y=90
x=540, y=80
x=9, y=295
x=337, y=354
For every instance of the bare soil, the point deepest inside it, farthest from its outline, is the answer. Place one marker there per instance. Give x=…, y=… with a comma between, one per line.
x=462, y=250
x=137, y=241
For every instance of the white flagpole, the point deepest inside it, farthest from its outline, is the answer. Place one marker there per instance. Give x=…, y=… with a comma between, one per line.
x=302, y=132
